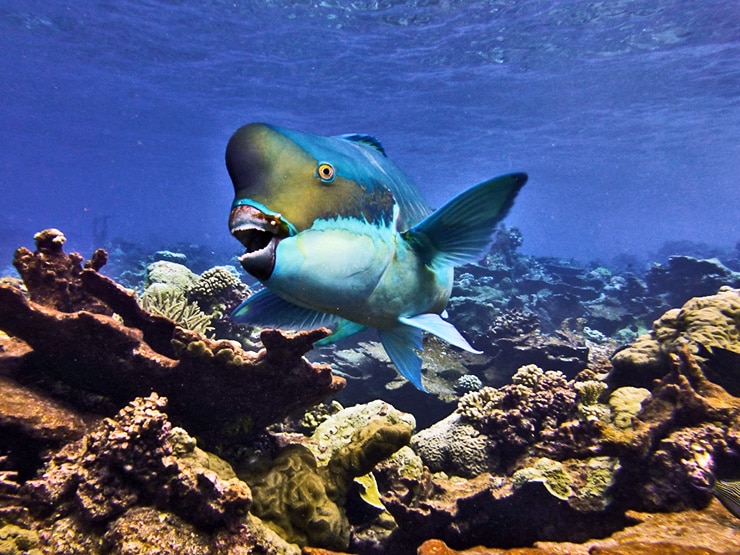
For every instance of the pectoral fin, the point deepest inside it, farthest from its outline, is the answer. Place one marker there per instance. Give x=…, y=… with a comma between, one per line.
x=461, y=231
x=264, y=308
x=345, y=329
x=401, y=344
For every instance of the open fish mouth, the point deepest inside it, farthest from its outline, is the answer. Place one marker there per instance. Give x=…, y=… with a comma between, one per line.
x=260, y=234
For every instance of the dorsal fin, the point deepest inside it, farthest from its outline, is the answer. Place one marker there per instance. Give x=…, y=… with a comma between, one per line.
x=367, y=140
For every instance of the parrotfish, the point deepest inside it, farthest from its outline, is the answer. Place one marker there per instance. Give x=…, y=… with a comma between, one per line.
x=338, y=235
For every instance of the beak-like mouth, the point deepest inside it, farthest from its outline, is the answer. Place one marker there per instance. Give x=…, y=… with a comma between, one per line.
x=260, y=233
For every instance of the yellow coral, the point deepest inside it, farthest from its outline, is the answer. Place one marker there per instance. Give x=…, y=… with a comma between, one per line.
x=172, y=303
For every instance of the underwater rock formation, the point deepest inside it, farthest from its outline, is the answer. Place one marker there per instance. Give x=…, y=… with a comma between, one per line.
x=98, y=356
x=683, y=277
x=709, y=326
x=706, y=532
x=135, y=481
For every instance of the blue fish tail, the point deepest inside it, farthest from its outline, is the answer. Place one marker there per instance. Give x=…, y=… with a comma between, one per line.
x=461, y=231
x=401, y=344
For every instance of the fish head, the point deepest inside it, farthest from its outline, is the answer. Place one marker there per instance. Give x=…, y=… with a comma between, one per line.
x=285, y=180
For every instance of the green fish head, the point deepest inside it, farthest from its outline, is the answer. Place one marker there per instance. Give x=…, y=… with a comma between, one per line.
x=285, y=180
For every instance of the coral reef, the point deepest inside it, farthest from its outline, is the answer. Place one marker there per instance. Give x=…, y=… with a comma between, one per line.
x=127, y=483
x=578, y=469
x=303, y=491
x=704, y=324
x=97, y=354
x=559, y=460
x=291, y=496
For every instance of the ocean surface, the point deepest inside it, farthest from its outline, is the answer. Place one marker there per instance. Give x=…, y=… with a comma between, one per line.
x=625, y=114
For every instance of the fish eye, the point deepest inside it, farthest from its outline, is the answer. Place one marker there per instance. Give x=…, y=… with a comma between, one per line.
x=325, y=172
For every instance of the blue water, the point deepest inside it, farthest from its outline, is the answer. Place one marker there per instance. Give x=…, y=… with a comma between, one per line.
x=626, y=114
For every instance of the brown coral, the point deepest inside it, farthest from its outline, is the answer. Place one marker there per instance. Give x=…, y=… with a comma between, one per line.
x=95, y=353
x=130, y=482
x=703, y=324
x=129, y=460
x=53, y=277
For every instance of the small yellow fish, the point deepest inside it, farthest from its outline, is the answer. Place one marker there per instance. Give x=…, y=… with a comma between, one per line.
x=370, y=493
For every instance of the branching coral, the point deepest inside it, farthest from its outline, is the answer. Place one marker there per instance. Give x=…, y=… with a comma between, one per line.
x=588, y=400
x=173, y=304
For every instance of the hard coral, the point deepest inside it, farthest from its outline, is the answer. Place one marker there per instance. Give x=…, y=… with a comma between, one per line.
x=128, y=460
x=172, y=303
x=97, y=354
x=53, y=278
x=214, y=283
x=292, y=497
x=704, y=324
x=303, y=491
x=514, y=415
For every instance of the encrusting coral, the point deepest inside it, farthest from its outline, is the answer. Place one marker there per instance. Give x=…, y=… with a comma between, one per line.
x=303, y=490
x=130, y=468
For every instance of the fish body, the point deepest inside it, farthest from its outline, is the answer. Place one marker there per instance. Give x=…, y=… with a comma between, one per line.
x=728, y=493
x=337, y=234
